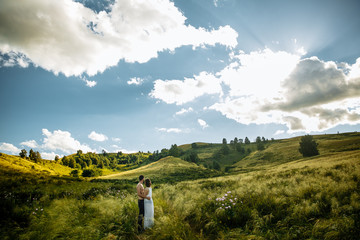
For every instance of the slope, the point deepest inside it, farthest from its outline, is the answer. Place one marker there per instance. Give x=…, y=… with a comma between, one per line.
x=287, y=150
x=168, y=169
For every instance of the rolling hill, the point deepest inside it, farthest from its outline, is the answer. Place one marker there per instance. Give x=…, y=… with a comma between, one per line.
x=168, y=169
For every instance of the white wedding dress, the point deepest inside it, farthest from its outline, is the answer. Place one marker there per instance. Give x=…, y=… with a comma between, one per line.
x=149, y=211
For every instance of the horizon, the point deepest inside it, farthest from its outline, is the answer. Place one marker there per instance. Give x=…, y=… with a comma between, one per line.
x=139, y=76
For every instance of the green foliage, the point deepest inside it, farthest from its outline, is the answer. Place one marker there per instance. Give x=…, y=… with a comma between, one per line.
x=308, y=146
x=91, y=173
x=75, y=173
x=23, y=153
x=216, y=165
x=192, y=157
x=174, y=151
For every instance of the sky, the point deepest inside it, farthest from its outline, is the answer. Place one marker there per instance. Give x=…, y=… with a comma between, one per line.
x=140, y=75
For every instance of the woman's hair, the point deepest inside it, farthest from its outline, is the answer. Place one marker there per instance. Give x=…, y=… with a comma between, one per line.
x=147, y=182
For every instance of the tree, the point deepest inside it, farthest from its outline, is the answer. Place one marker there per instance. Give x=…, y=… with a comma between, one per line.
x=79, y=152
x=239, y=148
x=216, y=166
x=260, y=144
x=236, y=140
x=174, y=151
x=104, y=152
x=74, y=173
x=57, y=158
x=65, y=161
x=193, y=157
x=32, y=155
x=225, y=149
x=247, y=141
x=72, y=162
x=37, y=157
x=308, y=146
x=193, y=145
x=23, y=153
x=224, y=141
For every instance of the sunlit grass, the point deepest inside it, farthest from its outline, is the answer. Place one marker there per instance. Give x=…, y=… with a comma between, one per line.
x=306, y=198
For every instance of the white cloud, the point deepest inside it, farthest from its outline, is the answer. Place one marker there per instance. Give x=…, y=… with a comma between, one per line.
x=66, y=37
x=30, y=144
x=180, y=92
x=97, y=136
x=135, y=81
x=169, y=130
x=48, y=156
x=91, y=83
x=202, y=123
x=62, y=140
x=183, y=111
x=259, y=73
x=115, y=139
x=303, y=94
x=8, y=147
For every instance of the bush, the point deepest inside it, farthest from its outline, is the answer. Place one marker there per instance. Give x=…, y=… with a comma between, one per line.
x=308, y=146
x=91, y=173
x=75, y=173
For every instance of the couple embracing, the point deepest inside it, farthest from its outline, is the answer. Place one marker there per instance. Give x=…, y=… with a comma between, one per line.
x=145, y=203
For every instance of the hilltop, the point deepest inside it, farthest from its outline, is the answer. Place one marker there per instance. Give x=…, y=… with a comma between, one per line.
x=168, y=169
x=240, y=158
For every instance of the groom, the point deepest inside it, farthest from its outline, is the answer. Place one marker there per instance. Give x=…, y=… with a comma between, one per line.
x=141, y=196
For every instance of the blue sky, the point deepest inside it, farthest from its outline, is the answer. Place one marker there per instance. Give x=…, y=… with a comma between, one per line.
x=143, y=75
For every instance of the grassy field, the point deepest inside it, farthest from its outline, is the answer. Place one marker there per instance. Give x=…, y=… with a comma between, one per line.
x=168, y=169
x=270, y=194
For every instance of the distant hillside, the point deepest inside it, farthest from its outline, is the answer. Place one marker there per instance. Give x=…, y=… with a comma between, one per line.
x=287, y=150
x=14, y=165
x=166, y=169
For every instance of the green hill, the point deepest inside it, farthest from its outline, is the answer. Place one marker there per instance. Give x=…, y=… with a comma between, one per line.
x=168, y=169
x=15, y=165
x=287, y=150
x=274, y=193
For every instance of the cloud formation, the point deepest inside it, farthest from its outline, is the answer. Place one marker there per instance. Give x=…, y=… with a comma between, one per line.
x=169, y=130
x=63, y=141
x=66, y=37
x=202, y=123
x=135, y=81
x=30, y=144
x=184, y=111
x=264, y=86
x=183, y=91
x=304, y=94
x=8, y=147
x=99, y=137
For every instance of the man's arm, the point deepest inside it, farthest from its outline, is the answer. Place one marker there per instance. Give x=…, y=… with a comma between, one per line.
x=140, y=193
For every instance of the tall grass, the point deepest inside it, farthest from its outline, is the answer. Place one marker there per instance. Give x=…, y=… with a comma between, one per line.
x=312, y=198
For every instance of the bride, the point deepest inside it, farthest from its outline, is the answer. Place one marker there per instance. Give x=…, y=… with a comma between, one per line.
x=149, y=206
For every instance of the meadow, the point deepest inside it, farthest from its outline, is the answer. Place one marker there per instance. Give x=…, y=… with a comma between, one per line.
x=270, y=194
